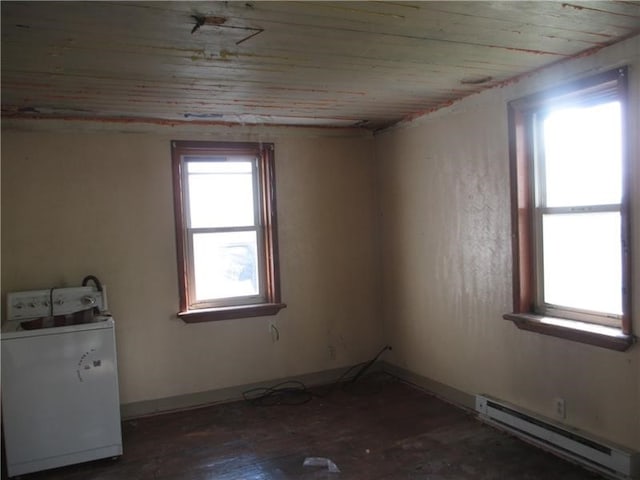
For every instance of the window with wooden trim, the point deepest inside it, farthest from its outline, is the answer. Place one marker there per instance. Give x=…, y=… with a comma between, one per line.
x=226, y=230
x=570, y=215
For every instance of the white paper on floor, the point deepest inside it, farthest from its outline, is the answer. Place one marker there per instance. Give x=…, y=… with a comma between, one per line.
x=321, y=462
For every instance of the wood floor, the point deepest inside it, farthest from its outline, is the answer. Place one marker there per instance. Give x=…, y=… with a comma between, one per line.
x=382, y=429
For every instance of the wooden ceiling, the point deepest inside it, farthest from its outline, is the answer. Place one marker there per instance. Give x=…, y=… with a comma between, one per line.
x=365, y=64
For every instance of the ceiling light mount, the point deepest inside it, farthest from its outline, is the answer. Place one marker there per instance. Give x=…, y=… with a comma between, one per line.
x=206, y=20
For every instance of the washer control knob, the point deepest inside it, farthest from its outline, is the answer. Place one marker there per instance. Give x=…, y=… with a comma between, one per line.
x=18, y=306
x=88, y=300
x=59, y=301
x=32, y=304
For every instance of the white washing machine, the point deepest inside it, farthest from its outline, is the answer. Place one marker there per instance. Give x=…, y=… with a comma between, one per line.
x=60, y=401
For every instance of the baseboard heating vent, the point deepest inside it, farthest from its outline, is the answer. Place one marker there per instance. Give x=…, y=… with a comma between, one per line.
x=612, y=461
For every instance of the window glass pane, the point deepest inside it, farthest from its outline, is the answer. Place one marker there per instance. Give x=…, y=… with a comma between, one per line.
x=583, y=159
x=220, y=194
x=225, y=265
x=582, y=261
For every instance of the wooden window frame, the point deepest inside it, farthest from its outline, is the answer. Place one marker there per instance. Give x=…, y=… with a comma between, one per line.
x=264, y=153
x=520, y=118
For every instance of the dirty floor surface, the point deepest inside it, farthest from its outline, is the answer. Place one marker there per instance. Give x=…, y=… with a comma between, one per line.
x=381, y=430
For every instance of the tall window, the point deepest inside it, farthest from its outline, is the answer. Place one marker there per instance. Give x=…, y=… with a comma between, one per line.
x=570, y=218
x=225, y=230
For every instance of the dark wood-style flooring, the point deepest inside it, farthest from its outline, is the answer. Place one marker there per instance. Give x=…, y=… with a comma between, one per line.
x=381, y=430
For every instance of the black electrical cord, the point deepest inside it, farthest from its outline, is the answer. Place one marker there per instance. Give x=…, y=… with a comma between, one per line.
x=291, y=392
x=94, y=279
x=51, y=302
x=368, y=384
x=294, y=392
x=369, y=363
x=352, y=384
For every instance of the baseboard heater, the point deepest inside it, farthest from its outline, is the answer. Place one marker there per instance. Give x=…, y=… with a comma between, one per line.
x=612, y=461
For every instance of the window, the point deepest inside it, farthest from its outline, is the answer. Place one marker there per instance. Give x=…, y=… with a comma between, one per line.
x=225, y=230
x=570, y=212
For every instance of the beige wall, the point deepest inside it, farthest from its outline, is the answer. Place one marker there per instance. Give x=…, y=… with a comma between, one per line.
x=78, y=202
x=446, y=249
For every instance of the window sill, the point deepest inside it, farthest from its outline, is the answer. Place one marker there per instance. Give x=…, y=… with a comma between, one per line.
x=228, y=313
x=598, y=335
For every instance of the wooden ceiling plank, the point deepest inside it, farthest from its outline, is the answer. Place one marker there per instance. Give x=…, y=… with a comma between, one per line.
x=309, y=62
x=471, y=31
x=409, y=98
x=115, y=59
x=479, y=17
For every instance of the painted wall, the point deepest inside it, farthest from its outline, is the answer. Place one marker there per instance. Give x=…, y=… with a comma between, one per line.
x=446, y=253
x=76, y=202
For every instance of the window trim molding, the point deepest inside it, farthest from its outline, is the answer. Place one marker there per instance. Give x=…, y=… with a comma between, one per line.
x=522, y=216
x=265, y=152
x=606, y=337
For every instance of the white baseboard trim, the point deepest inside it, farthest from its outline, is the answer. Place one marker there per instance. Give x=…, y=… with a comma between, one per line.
x=445, y=392
x=223, y=395
x=230, y=394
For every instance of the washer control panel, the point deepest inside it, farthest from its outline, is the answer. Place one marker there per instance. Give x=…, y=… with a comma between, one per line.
x=54, y=301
